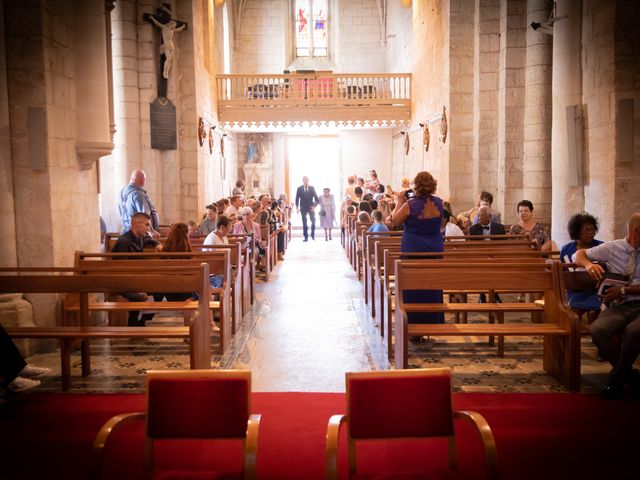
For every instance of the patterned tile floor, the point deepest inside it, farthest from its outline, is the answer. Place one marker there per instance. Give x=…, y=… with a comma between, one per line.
x=308, y=326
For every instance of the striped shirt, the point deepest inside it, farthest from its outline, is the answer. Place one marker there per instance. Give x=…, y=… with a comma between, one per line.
x=616, y=254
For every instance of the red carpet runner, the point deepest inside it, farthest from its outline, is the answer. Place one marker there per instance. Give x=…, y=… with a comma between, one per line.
x=539, y=436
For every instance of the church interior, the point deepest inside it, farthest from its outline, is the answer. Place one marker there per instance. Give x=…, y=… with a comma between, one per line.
x=529, y=100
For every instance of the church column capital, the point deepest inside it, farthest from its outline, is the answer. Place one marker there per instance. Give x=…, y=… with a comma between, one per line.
x=89, y=152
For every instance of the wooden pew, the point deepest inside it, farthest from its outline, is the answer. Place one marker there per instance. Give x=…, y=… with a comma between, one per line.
x=51, y=280
x=368, y=242
x=394, y=238
x=357, y=247
x=392, y=243
x=560, y=329
x=121, y=263
x=387, y=289
x=248, y=243
x=239, y=278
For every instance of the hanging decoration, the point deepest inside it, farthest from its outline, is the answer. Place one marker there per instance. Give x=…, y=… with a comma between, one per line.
x=426, y=137
x=443, y=125
x=202, y=133
x=211, y=140
x=407, y=143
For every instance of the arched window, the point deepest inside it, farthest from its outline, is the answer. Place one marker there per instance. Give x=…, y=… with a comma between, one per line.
x=311, y=24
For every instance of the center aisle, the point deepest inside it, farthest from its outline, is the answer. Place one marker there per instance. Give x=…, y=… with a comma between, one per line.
x=307, y=331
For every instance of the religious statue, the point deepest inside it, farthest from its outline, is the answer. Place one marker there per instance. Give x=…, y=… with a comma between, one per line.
x=168, y=26
x=254, y=148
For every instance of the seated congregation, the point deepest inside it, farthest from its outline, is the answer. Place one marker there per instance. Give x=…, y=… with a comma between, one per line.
x=426, y=273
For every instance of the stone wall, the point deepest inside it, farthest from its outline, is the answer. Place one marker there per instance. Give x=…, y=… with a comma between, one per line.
x=261, y=45
x=399, y=38
x=358, y=37
x=486, y=90
x=8, y=256
x=627, y=72
x=511, y=107
x=430, y=92
x=460, y=107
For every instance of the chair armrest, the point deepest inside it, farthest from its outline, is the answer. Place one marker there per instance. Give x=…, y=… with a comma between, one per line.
x=488, y=442
x=251, y=447
x=331, y=448
x=103, y=435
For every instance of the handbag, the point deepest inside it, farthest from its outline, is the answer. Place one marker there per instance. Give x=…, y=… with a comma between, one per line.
x=155, y=220
x=323, y=213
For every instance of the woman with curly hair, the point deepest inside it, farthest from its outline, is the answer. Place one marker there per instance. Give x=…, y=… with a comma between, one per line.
x=421, y=216
x=582, y=229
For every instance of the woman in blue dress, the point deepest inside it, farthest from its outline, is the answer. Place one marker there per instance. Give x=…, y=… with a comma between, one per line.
x=420, y=216
x=582, y=230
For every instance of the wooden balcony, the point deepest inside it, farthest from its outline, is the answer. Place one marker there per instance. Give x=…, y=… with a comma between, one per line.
x=314, y=97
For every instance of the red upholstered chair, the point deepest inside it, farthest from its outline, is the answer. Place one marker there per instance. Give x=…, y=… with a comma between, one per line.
x=402, y=405
x=191, y=404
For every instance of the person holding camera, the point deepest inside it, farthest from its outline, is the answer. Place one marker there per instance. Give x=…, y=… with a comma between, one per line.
x=421, y=217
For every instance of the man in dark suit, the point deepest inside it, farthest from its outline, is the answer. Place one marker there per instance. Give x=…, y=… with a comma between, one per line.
x=486, y=227
x=306, y=200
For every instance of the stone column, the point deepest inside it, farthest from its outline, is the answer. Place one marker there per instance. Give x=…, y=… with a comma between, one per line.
x=460, y=109
x=8, y=255
x=536, y=175
x=115, y=169
x=567, y=90
x=93, y=136
x=511, y=108
x=486, y=82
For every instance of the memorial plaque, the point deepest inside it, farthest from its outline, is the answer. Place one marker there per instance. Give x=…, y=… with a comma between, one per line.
x=163, y=124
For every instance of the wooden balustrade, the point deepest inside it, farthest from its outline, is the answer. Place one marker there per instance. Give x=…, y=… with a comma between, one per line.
x=314, y=96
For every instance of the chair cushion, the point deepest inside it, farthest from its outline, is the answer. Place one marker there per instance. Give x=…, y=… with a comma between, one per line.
x=197, y=408
x=435, y=475
x=191, y=475
x=396, y=407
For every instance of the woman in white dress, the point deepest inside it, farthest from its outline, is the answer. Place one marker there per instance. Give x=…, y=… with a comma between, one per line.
x=327, y=213
x=219, y=235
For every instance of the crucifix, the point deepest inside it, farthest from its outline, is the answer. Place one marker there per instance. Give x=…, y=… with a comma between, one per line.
x=168, y=27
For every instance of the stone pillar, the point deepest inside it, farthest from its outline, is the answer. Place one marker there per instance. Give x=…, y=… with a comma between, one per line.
x=511, y=108
x=460, y=109
x=567, y=90
x=486, y=94
x=536, y=175
x=116, y=168
x=93, y=135
x=8, y=255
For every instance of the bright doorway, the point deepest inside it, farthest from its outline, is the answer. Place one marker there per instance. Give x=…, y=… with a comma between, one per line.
x=317, y=157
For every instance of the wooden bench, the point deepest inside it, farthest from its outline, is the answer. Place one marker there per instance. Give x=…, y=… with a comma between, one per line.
x=248, y=244
x=560, y=328
x=387, y=280
x=380, y=290
x=394, y=238
x=51, y=280
x=121, y=264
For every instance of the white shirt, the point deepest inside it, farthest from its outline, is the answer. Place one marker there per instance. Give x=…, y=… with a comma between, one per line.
x=616, y=254
x=213, y=239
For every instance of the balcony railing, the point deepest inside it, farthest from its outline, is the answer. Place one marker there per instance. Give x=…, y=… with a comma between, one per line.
x=315, y=96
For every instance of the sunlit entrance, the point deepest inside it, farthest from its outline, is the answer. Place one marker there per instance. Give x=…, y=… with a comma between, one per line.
x=317, y=157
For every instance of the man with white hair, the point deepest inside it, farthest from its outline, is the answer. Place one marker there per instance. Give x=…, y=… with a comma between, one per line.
x=134, y=199
x=622, y=318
